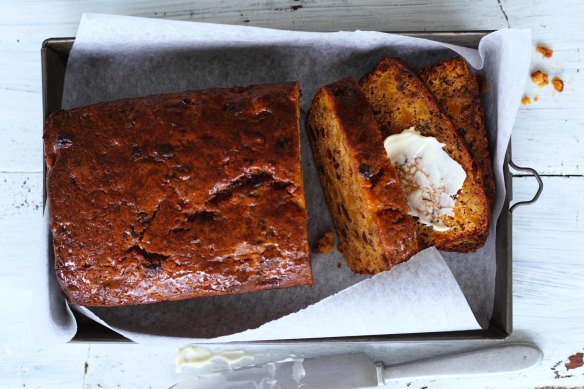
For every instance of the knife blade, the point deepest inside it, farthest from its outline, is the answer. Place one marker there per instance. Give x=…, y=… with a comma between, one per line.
x=359, y=371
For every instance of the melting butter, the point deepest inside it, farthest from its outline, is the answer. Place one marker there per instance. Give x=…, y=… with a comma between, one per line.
x=430, y=178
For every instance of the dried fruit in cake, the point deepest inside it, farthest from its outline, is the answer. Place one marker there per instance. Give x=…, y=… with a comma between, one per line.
x=400, y=100
x=361, y=186
x=176, y=196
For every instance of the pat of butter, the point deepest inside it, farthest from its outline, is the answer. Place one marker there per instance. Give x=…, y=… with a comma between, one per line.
x=430, y=178
x=201, y=357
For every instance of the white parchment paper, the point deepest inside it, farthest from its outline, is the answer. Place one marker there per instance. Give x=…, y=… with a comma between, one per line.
x=118, y=57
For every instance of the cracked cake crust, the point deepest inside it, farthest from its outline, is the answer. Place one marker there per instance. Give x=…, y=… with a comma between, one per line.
x=176, y=196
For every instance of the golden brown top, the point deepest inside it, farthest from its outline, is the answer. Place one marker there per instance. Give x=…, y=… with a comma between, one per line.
x=176, y=196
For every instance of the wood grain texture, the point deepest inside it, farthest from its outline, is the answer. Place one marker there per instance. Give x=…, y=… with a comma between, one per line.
x=548, y=245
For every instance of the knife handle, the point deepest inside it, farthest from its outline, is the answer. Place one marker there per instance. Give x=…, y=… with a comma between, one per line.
x=493, y=360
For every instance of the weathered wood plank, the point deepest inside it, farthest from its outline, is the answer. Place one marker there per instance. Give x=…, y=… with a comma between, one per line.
x=548, y=244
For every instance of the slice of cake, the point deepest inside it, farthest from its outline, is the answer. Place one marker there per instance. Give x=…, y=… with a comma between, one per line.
x=361, y=186
x=402, y=102
x=456, y=89
x=176, y=196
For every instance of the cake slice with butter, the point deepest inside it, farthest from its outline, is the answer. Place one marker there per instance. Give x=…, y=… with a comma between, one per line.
x=430, y=178
x=361, y=186
x=456, y=89
x=403, y=104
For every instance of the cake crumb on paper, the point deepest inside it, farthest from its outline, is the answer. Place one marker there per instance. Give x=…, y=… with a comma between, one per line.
x=544, y=51
x=558, y=84
x=539, y=78
x=525, y=100
x=324, y=244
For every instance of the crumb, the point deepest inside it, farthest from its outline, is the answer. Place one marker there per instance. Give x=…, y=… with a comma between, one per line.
x=338, y=265
x=324, y=244
x=558, y=84
x=576, y=361
x=482, y=81
x=546, y=52
x=525, y=100
x=535, y=99
x=539, y=78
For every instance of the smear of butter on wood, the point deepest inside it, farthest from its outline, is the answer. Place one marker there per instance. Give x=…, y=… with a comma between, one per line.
x=199, y=357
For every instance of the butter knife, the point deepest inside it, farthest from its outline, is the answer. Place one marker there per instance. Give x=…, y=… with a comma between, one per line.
x=359, y=371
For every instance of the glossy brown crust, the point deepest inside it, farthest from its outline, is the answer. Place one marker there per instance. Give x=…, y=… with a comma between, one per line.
x=400, y=99
x=381, y=219
x=176, y=196
x=457, y=91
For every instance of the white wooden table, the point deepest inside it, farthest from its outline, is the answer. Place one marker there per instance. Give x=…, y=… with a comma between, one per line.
x=548, y=237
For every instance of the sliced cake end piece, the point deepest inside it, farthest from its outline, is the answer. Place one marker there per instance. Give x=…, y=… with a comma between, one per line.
x=361, y=186
x=400, y=100
x=455, y=87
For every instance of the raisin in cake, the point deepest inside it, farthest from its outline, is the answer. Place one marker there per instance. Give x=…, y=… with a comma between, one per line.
x=176, y=196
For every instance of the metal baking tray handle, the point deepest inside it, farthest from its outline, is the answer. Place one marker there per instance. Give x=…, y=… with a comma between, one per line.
x=539, y=182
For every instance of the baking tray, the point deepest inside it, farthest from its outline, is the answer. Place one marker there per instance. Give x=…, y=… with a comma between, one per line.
x=54, y=56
